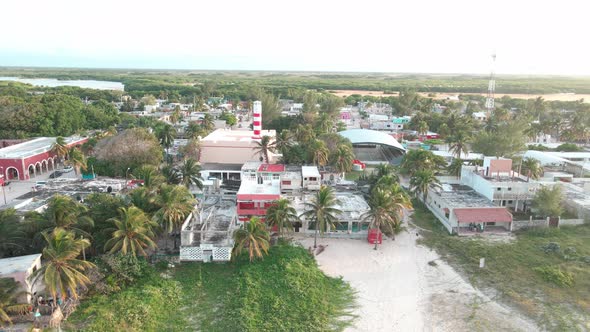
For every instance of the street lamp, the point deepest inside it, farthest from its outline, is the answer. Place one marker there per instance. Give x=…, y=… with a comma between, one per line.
x=126, y=172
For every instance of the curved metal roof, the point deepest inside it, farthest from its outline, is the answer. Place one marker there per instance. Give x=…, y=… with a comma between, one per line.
x=367, y=136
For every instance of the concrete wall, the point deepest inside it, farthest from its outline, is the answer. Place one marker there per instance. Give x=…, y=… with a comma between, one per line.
x=530, y=223
x=570, y=222
x=477, y=182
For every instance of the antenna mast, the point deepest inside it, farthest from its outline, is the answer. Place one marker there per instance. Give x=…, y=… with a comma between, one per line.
x=491, y=87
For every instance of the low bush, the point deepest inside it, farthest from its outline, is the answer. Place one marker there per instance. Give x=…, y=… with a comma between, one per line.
x=555, y=275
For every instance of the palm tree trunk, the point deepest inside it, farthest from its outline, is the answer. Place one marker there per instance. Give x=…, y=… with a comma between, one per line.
x=315, y=237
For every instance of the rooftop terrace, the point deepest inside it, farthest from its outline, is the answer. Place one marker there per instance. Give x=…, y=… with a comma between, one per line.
x=460, y=196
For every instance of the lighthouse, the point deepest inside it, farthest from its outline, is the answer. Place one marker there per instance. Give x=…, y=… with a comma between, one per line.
x=257, y=119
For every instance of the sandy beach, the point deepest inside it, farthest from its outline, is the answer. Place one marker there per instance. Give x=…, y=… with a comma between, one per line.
x=398, y=290
x=446, y=95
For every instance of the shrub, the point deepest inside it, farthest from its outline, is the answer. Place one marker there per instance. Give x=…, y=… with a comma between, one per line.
x=551, y=247
x=555, y=275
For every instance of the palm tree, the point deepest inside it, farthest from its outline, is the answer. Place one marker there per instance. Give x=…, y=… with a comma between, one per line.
x=458, y=143
x=455, y=167
x=9, y=294
x=282, y=215
x=143, y=198
x=207, y=123
x=62, y=271
x=63, y=212
x=319, y=152
x=254, y=236
x=322, y=211
x=385, y=170
x=533, y=168
x=190, y=173
x=422, y=128
x=264, y=146
x=193, y=130
x=176, y=116
x=387, y=209
x=175, y=204
x=421, y=181
x=77, y=160
x=343, y=158
x=284, y=140
x=304, y=134
x=325, y=123
x=171, y=175
x=60, y=148
x=166, y=135
x=11, y=234
x=132, y=233
x=149, y=175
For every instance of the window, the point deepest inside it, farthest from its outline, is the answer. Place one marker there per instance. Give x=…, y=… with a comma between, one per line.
x=509, y=189
x=499, y=189
x=287, y=182
x=275, y=176
x=509, y=202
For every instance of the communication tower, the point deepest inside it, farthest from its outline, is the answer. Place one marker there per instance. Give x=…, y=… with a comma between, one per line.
x=491, y=87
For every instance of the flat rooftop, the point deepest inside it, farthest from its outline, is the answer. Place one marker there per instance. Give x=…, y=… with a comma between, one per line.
x=226, y=135
x=271, y=168
x=352, y=204
x=17, y=264
x=34, y=147
x=307, y=171
x=460, y=196
x=253, y=190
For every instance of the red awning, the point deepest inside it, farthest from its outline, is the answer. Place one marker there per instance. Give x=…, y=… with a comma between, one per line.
x=478, y=215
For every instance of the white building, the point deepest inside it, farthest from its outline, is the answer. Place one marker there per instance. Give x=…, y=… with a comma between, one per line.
x=480, y=116
x=312, y=179
x=499, y=183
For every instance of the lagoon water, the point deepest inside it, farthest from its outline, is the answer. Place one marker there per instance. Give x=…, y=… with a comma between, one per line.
x=52, y=82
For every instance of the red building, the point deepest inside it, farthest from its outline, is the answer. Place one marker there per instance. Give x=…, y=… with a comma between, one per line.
x=24, y=161
x=259, y=190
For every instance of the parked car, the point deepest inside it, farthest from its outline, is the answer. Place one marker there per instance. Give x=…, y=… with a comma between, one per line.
x=55, y=174
x=5, y=183
x=68, y=169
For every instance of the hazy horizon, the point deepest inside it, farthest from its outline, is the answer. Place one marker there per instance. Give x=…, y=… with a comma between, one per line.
x=427, y=37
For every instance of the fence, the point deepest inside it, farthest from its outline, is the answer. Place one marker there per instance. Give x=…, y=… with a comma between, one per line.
x=520, y=224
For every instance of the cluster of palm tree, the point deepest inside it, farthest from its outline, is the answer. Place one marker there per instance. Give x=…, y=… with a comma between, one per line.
x=422, y=167
x=304, y=145
x=68, y=231
x=70, y=156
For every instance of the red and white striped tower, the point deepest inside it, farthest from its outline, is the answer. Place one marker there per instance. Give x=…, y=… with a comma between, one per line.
x=257, y=119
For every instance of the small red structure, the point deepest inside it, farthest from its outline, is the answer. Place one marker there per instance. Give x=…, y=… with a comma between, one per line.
x=358, y=162
x=375, y=235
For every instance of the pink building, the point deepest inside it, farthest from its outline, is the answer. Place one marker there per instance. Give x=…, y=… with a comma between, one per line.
x=224, y=146
x=25, y=160
x=20, y=269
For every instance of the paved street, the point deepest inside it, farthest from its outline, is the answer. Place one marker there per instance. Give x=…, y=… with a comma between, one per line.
x=19, y=188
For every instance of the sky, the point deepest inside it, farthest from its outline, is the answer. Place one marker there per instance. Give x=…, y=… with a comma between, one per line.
x=452, y=36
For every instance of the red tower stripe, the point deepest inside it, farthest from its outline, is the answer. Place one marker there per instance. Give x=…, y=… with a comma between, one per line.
x=257, y=123
x=256, y=115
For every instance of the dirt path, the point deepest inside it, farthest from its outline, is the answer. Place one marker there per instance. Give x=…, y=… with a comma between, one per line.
x=398, y=290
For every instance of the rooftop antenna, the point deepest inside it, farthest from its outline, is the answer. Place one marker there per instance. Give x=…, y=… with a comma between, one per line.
x=491, y=87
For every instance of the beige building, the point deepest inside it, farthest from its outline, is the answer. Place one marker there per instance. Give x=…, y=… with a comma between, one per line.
x=225, y=146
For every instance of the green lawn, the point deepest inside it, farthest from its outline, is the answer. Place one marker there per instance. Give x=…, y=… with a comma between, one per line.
x=284, y=292
x=533, y=272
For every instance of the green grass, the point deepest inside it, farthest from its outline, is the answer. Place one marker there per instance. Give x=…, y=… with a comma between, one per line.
x=284, y=292
x=534, y=280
